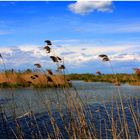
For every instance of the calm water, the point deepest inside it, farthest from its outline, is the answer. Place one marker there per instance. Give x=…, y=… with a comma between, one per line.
x=92, y=94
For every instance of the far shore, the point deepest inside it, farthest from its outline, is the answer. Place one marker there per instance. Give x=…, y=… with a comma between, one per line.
x=44, y=80
x=116, y=79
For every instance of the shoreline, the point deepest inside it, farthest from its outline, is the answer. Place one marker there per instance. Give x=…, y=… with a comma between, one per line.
x=20, y=86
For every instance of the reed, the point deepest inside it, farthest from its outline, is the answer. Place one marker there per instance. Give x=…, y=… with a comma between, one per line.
x=78, y=119
x=30, y=80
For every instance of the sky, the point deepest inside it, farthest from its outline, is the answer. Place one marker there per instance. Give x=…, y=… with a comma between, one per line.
x=79, y=31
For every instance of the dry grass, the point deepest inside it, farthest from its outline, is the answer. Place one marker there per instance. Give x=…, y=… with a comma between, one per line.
x=77, y=119
x=40, y=79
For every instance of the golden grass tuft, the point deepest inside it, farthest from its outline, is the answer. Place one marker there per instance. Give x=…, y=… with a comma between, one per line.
x=39, y=79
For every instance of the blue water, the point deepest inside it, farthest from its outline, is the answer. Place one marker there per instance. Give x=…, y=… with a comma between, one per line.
x=95, y=96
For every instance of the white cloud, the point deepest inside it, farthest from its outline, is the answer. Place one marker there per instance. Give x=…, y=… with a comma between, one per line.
x=84, y=7
x=76, y=56
x=80, y=54
x=24, y=56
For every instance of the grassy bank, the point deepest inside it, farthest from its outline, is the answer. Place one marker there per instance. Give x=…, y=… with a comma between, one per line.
x=36, y=80
x=131, y=79
x=72, y=118
x=44, y=80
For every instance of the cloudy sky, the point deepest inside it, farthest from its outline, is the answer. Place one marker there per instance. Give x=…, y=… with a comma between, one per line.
x=80, y=31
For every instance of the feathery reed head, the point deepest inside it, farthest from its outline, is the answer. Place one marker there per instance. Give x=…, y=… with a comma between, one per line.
x=48, y=42
x=37, y=65
x=61, y=67
x=36, y=76
x=59, y=58
x=32, y=77
x=50, y=72
x=49, y=79
x=48, y=49
x=98, y=72
x=137, y=71
x=54, y=59
x=104, y=57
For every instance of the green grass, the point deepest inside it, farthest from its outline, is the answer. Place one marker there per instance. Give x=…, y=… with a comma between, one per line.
x=122, y=78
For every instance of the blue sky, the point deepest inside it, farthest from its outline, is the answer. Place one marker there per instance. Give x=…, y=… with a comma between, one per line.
x=80, y=31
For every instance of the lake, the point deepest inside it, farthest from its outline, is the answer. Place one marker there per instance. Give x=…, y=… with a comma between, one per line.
x=94, y=95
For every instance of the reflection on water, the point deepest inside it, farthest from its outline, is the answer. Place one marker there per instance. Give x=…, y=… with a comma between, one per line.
x=98, y=98
x=97, y=92
x=90, y=92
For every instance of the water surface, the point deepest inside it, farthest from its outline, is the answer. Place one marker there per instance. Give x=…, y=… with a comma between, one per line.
x=98, y=97
x=90, y=92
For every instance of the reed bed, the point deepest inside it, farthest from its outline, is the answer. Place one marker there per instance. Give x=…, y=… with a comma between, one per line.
x=74, y=121
x=30, y=80
x=130, y=79
x=67, y=115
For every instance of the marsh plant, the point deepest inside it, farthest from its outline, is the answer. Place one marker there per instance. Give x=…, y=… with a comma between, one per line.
x=72, y=117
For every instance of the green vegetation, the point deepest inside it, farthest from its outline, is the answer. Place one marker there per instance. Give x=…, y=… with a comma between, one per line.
x=77, y=118
x=132, y=79
x=14, y=85
x=23, y=79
